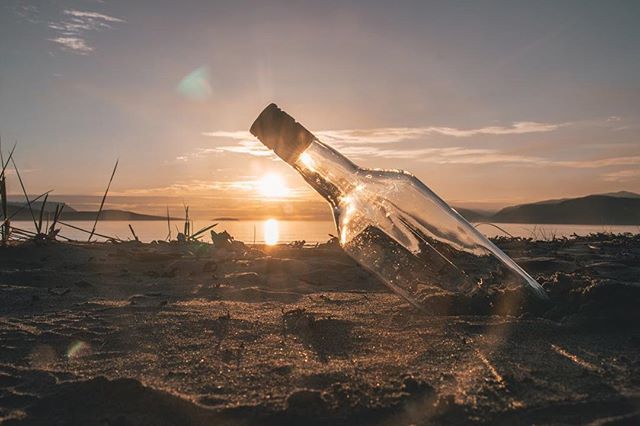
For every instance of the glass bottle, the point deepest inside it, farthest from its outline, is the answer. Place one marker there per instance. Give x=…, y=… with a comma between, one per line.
x=391, y=223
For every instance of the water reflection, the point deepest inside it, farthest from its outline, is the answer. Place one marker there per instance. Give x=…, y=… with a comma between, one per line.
x=271, y=232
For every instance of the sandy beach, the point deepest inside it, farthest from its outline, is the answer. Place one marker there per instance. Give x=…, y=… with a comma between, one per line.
x=169, y=333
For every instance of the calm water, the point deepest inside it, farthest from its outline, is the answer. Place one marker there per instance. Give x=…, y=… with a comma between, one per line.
x=276, y=231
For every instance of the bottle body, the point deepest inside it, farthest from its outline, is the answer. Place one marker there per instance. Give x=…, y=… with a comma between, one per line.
x=391, y=223
x=397, y=228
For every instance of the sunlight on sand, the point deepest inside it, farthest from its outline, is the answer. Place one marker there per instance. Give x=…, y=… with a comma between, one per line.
x=271, y=232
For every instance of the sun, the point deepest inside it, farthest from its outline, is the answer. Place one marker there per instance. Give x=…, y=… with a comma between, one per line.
x=273, y=185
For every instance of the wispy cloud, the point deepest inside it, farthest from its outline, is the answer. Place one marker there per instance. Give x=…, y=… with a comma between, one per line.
x=363, y=142
x=75, y=44
x=622, y=175
x=250, y=147
x=72, y=30
x=380, y=143
x=601, y=162
x=247, y=186
x=399, y=134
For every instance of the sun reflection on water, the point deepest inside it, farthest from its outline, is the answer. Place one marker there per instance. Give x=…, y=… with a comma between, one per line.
x=271, y=232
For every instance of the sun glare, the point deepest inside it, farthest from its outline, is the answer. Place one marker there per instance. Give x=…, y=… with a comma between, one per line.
x=273, y=186
x=271, y=232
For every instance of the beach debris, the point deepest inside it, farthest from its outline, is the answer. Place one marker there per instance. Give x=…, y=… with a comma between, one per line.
x=298, y=244
x=221, y=239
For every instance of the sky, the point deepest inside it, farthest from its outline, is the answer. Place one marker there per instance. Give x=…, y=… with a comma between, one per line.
x=489, y=103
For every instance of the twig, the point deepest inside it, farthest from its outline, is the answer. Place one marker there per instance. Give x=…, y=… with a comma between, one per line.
x=186, y=221
x=4, y=165
x=88, y=232
x=202, y=231
x=104, y=197
x=44, y=205
x=3, y=193
x=168, y=225
x=5, y=210
x=24, y=191
x=23, y=231
x=134, y=233
x=494, y=225
x=56, y=216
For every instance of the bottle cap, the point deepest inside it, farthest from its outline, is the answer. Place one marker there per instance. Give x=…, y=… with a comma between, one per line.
x=281, y=133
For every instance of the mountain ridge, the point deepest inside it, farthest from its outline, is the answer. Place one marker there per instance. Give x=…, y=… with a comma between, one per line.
x=614, y=208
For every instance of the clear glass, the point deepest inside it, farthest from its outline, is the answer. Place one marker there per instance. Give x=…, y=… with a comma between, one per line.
x=397, y=228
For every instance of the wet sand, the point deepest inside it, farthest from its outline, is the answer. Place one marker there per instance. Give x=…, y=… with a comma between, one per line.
x=133, y=334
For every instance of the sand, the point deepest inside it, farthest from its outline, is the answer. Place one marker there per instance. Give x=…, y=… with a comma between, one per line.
x=134, y=334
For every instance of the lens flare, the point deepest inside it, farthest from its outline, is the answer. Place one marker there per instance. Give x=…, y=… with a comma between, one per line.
x=77, y=349
x=271, y=232
x=196, y=86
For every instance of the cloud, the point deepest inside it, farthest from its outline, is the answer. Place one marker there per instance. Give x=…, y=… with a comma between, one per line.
x=360, y=143
x=248, y=186
x=602, y=162
x=380, y=143
x=73, y=28
x=75, y=44
x=385, y=135
x=399, y=134
x=249, y=147
x=622, y=175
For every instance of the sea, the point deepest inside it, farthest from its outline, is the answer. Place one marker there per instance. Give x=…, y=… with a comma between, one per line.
x=274, y=231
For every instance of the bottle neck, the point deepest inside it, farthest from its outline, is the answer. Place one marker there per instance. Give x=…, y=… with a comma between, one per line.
x=326, y=170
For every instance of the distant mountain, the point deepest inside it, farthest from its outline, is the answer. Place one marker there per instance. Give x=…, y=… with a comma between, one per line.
x=20, y=211
x=110, y=215
x=472, y=215
x=622, y=194
x=615, y=208
x=50, y=207
x=610, y=209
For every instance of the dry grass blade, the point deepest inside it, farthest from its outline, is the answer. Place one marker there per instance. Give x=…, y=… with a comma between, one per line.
x=202, y=231
x=186, y=221
x=134, y=233
x=495, y=226
x=6, y=230
x=5, y=210
x=168, y=225
x=77, y=228
x=23, y=231
x=9, y=158
x=24, y=191
x=56, y=217
x=44, y=206
x=104, y=197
